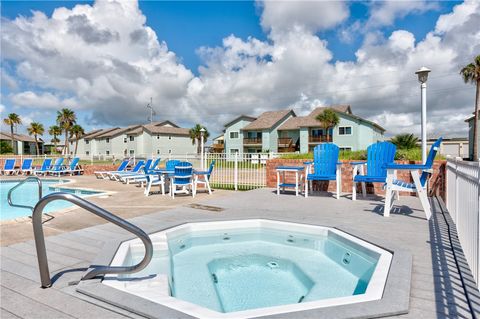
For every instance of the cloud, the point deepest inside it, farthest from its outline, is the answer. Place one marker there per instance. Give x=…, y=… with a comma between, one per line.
x=384, y=13
x=313, y=16
x=43, y=100
x=115, y=69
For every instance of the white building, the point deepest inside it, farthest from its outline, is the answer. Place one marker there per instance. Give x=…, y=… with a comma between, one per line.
x=158, y=138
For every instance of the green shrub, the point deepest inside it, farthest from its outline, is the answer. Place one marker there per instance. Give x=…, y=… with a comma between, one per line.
x=5, y=147
x=414, y=154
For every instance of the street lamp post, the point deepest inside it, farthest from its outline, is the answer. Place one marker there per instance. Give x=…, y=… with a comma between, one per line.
x=422, y=78
x=202, y=149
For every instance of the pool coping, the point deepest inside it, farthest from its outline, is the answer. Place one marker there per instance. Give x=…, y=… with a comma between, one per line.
x=66, y=185
x=395, y=300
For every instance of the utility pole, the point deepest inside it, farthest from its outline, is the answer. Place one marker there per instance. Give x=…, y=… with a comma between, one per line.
x=152, y=111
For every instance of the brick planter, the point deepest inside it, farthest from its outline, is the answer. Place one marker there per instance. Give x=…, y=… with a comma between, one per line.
x=437, y=182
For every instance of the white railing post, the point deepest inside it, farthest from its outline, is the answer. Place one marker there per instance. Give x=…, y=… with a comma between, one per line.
x=235, y=172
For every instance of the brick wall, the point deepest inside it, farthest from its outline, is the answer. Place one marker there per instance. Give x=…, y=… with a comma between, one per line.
x=90, y=168
x=437, y=182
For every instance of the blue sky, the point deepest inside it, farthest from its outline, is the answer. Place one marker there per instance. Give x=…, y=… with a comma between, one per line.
x=226, y=31
x=188, y=25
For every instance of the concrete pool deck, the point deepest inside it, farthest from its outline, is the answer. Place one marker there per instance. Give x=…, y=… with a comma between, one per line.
x=437, y=290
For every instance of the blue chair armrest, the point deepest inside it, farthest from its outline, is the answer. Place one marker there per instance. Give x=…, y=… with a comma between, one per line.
x=339, y=163
x=200, y=172
x=406, y=166
x=357, y=163
x=308, y=163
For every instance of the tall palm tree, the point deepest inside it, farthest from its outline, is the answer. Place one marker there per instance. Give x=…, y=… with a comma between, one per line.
x=77, y=132
x=329, y=119
x=55, y=131
x=471, y=73
x=13, y=119
x=196, y=136
x=36, y=129
x=405, y=141
x=66, y=118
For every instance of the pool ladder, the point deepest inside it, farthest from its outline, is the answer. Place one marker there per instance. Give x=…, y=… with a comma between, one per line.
x=92, y=208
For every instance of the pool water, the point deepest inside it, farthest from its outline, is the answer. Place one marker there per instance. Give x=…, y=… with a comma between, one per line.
x=244, y=269
x=27, y=194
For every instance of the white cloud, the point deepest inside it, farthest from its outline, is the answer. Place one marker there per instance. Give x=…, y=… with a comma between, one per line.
x=108, y=61
x=284, y=16
x=384, y=13
x=45, y=100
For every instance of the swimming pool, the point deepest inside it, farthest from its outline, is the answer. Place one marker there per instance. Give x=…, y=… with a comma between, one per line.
x=248, y=268
x=27, y=194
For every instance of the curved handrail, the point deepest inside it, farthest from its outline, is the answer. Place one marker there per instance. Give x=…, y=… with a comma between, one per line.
x=92, y=208
x=9, y=196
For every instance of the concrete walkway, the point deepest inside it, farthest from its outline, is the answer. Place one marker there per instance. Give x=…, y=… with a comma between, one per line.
x=436, y=291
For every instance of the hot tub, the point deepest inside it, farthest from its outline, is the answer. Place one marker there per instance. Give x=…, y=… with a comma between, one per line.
x=250, y=268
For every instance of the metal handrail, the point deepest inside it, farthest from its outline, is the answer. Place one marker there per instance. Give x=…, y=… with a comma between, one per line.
x=9, y=196
x=100, y=212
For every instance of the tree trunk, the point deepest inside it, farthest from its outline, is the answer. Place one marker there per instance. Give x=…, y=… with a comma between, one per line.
x=475, y=122
x=66, y=143
x=55, y=143
x=13, y=139
x=199, y=147
x=36, y=145
x=76, y=146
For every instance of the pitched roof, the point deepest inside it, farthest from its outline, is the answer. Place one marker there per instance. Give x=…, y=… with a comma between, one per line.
x=310, y=120
x=267, y=120
x=96, y=134
x=246, y=117
x=161, y=128
x=18, y=137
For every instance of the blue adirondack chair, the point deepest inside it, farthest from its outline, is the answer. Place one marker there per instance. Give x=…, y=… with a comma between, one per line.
x=9, y=167
x=70, y=169
x=326, y=167
x=378, y=155
x=47, y=163
x=182, y=177
x=203, y=177
x=419, y=184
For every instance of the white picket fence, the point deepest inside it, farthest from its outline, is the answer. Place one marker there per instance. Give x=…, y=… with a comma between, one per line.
x=463, y=203
x=241, y=171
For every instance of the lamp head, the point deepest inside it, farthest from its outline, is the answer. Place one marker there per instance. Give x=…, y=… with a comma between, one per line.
x=422, y=74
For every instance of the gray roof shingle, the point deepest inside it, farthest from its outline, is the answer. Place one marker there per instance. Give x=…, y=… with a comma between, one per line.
x=267, y=120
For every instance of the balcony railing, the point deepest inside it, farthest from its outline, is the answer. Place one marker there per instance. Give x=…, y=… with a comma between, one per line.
x=252, y=141
x=285, y=141
x=319, y=139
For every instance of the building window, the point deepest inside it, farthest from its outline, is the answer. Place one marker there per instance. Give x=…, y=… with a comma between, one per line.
x=132, y=152
x=169, y=137
x=132, y=138
x=345, y=149
x=107, y=140
x=233, y=134
x=124, y=140
x=87, y=141
x=87, y=152
x=158, y=137
x=158, y=152
x=345, y=130
x=233, y=150
x=169, y=151
x=107, y=152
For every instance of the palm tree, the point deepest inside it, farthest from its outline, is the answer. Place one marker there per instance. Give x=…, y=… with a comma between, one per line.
x=66, y=118
x=329, y=119
x=55, y=131
x=405, y=141
x=471, y=73
x=36, y=129
x=77, y=132
x=12, y=119
x=196, y=136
